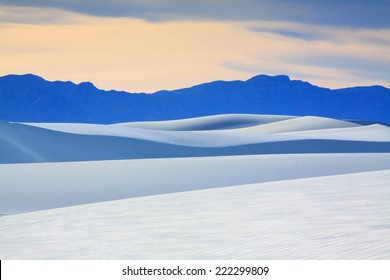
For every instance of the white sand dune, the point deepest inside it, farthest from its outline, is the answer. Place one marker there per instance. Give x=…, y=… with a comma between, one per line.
x=375, y=132
x=335, y=217
x=297, y=124
x=80, y=142
x=219, y=123
x=216, y=122
x=32, y=187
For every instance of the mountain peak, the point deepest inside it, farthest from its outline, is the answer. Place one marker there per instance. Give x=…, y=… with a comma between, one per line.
x=87, y=85
x=24, y=77
x=274, y=79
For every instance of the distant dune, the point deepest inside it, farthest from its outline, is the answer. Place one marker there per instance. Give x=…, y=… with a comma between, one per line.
x=53, y=142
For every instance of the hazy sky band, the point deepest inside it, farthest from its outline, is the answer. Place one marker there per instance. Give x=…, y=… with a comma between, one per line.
x=149, y=45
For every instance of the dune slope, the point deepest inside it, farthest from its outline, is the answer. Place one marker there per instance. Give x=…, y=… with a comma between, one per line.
x=32, y=187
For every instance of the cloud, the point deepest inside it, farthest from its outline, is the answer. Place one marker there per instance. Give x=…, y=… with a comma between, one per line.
x=315, y=32
x=352, y=13
x=30, y=15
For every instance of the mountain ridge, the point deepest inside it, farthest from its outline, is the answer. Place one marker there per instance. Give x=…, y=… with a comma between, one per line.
x=30, y=98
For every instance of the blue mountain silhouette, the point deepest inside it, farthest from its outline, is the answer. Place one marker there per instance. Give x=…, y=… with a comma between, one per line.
x=30, y=98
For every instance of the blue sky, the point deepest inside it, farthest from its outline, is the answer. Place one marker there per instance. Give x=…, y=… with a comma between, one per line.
x=145, y=45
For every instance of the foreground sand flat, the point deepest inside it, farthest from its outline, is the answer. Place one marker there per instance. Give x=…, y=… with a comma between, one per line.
x=333, y=217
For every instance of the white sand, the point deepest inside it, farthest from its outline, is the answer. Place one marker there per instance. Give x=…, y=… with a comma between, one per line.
x=163, y=190
x=335, y=217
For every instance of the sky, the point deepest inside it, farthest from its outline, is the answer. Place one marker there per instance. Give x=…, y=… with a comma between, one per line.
x=148, y=45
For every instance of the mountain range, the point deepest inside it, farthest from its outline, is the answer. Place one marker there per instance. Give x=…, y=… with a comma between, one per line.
x=30, y=98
